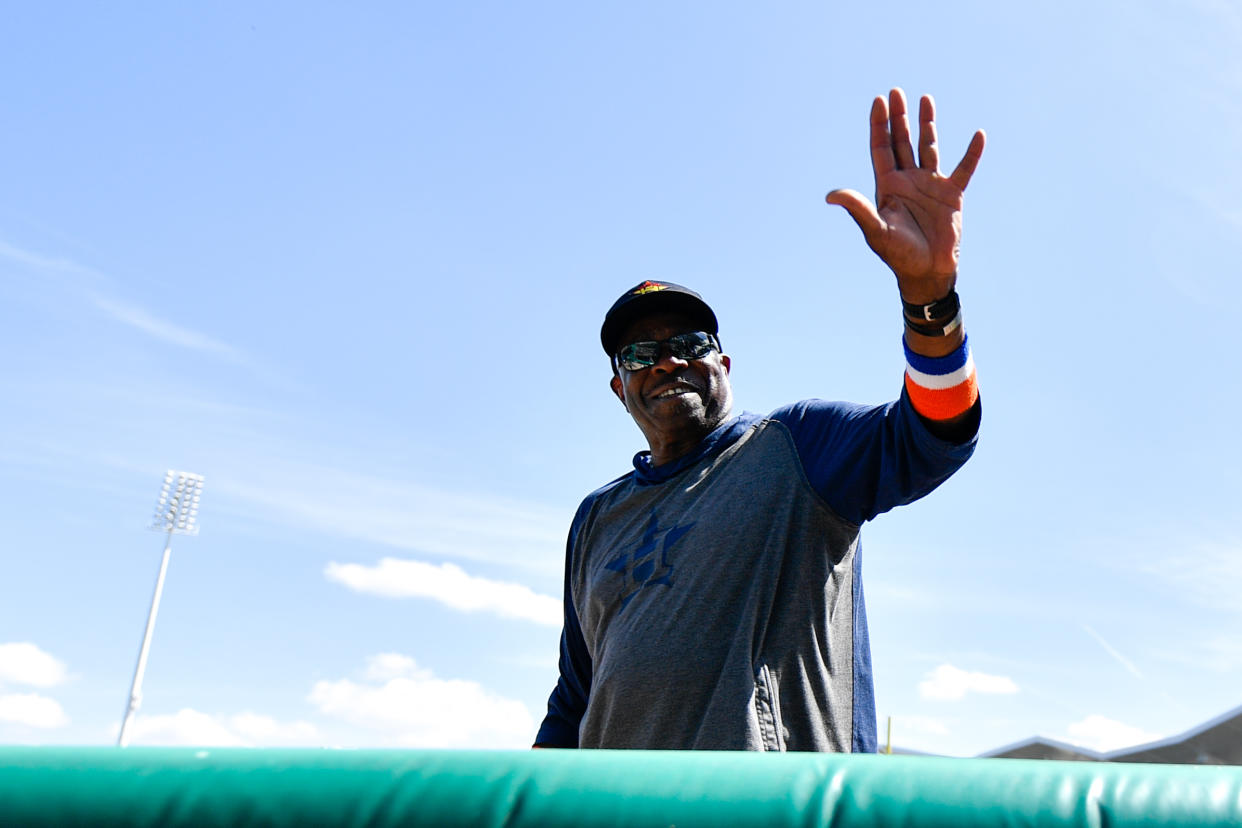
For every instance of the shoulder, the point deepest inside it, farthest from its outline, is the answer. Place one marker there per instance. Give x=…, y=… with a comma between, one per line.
x=606, y=489
x=609, y=491
x=820, y=414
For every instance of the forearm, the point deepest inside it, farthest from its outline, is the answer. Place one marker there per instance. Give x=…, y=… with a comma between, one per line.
x=915, y=227
x=569, y=698
x=940, y=373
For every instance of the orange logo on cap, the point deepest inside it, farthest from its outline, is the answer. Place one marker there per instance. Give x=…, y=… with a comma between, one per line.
x=649, y=287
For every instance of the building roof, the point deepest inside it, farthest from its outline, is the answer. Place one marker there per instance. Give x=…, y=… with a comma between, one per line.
x=1215, y=742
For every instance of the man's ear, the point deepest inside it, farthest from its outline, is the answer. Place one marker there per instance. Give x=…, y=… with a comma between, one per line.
x=726, y=362
x=619, y=390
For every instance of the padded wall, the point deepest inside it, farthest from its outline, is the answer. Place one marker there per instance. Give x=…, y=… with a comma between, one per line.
x=174, y=787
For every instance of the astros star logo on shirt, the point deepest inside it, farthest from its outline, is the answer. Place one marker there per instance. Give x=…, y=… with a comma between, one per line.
x=648, y=564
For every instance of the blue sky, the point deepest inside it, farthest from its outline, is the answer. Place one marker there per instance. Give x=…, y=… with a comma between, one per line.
x=350, y=265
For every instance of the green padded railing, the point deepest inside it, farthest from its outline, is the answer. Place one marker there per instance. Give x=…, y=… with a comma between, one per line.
x=173, y=787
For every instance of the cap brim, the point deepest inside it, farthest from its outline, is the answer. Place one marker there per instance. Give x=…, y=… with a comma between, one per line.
x=664, y=301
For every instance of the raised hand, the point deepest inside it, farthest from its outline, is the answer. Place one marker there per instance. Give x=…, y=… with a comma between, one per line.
x=915, y=224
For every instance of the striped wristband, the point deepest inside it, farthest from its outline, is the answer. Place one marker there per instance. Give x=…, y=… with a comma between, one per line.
x=941, y=388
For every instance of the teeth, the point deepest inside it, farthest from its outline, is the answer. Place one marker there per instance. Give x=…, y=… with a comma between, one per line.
x=672, y=392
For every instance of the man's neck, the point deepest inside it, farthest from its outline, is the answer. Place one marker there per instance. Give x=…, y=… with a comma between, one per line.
x=667, y=451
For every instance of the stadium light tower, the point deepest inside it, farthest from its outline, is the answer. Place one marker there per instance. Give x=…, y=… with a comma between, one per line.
x=176, y=513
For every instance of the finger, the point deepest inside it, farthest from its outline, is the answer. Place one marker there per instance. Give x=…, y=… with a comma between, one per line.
x=929, y=151
x=966, y=167
x=899, y=125
x=882, y=161
x=860, y=209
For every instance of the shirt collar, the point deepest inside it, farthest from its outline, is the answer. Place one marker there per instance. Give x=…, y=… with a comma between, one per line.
x=724, y=434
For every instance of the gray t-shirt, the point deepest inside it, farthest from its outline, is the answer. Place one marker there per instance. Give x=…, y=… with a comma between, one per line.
x=717, y=603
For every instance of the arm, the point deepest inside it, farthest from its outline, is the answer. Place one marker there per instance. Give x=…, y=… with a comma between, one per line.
x=568, y=701
x=569, y=698
x=866, y=459
x=915, y=227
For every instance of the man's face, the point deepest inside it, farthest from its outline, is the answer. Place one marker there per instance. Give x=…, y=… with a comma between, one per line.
x=676, y=402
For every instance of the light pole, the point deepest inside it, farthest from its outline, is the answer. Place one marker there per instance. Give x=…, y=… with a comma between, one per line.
x=176, y=513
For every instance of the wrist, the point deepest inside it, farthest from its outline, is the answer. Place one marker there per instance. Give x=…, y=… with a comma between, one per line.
x=934, y=346
x=935, y=314
x=939, y=319
x=942, y=387
x=926, y=290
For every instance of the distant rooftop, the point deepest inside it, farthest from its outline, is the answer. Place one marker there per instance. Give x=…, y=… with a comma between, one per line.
x=1216, y=742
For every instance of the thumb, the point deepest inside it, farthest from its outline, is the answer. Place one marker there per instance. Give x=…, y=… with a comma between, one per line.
x=860, y=209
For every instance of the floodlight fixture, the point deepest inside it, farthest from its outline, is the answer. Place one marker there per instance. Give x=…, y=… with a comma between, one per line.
x=176, y=513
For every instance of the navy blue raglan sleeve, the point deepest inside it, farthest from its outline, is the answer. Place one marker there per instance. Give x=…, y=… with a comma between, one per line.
x=568, y=701
x=865, y=460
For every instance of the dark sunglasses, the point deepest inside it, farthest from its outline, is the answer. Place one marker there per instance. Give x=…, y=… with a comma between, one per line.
x=639, y=355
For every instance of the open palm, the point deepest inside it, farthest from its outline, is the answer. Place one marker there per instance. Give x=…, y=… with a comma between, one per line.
x=915, y=224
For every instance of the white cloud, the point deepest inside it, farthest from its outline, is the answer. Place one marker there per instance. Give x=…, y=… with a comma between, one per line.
x=396, y=704
x=1104, y=734
x=140, y=319
x=413, y=708
x=32, y=710
x=45, y=263
x=266, y=731
x=387, y=666
x=24, y=663
x=191, y=728
x=131, y=315
x=450, y=585
x=947, y=682
x=186, y=727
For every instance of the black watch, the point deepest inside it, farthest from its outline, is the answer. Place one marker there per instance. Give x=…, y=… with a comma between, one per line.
x=939, y=311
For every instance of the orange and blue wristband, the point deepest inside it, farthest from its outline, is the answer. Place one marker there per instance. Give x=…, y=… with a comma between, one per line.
x=941, y=388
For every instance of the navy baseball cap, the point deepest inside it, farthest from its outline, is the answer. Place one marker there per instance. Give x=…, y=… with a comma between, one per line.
x=654, y=297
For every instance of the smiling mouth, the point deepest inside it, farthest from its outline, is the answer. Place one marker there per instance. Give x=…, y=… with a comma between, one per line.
x=675, y=391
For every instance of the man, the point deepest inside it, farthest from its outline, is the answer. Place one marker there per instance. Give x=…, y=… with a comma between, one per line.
x=713, y=596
